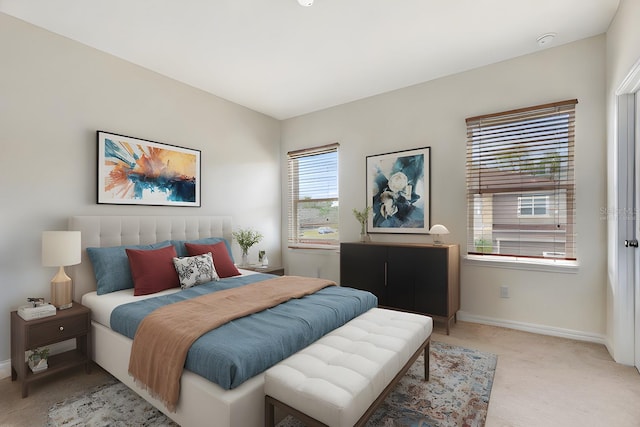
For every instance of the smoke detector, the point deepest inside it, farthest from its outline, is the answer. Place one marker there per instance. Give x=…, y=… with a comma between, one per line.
x=305, y=2
x=545, y=39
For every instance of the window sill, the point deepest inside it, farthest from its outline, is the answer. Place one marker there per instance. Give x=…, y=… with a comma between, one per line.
x=550, y=265
x=314, y=247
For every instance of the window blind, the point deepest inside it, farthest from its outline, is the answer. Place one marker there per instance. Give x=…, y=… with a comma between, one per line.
x=313, y=205
x=520, y=182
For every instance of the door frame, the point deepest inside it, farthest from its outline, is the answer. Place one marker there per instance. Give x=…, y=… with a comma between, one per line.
x=623, y=304
x=636, y=235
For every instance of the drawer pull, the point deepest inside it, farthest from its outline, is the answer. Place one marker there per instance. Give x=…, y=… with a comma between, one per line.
x=61, y=328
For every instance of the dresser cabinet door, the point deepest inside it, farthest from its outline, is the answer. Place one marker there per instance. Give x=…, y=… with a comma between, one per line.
x=363, y=267
x=403, y=265
x=432, y=284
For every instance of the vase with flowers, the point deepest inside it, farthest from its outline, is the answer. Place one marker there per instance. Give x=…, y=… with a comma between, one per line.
x=246, y=238
x=362, y=217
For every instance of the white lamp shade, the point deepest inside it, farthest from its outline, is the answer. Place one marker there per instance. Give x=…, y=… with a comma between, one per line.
x=438, y=229
x=60, y=248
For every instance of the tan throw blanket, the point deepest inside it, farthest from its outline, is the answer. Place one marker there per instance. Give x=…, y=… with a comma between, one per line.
x=164, y=337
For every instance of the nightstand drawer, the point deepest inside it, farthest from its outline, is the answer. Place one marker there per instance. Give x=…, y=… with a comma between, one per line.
x=58, y=330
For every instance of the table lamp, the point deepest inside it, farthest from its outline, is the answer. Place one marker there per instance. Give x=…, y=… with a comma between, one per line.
x=437, y=231
x=59, y=249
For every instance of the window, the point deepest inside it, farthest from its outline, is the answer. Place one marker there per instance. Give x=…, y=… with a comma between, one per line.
x=520, y=183
x=313, y=197
x=532, y=206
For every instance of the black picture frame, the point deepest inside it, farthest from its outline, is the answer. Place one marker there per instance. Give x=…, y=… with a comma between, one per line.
x=399, y=191
x=134, y=171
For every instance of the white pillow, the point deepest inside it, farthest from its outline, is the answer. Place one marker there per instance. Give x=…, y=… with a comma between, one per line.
x=195, y=270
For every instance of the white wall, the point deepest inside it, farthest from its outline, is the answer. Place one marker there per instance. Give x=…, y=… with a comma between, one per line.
x=623, y=51
x=433, y=114
x=54, y=95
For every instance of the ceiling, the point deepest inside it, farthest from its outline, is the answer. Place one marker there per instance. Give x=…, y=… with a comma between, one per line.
x=284, y=60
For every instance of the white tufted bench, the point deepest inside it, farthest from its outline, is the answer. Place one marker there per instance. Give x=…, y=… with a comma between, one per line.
x=341, y=379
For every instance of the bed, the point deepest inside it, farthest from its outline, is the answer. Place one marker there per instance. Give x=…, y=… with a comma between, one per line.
x=202, y=402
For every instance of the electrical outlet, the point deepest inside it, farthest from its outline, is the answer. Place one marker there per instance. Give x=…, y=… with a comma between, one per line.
x=504, y=292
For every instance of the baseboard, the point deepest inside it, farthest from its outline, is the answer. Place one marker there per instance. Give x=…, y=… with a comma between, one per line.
x=5, y=369
x=534, y=328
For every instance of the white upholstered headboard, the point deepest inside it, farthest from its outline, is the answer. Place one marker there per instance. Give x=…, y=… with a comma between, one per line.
x=99, y=231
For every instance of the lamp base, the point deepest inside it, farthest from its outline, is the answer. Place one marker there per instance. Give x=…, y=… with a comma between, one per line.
x=65, y=306
x=438, y=240
x=61, y=290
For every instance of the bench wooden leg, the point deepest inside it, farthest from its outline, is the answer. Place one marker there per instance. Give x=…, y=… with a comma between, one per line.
x=426, y=361
x=269, y=412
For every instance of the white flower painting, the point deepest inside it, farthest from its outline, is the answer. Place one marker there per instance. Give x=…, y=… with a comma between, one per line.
x=398, y=190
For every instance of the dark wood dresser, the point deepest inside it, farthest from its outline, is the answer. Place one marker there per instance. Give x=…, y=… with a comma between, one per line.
x=413, y=277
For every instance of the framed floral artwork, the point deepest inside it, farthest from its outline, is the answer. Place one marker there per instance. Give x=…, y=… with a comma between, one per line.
x=399, y=191
x=134, y=171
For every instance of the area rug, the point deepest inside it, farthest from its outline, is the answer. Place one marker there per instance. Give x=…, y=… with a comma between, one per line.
x=457, y=394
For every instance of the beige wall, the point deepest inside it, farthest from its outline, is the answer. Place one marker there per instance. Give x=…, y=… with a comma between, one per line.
x=433, y=114
x=55, y=94
x=623, y=52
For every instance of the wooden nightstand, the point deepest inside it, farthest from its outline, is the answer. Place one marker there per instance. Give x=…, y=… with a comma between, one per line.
x=278, y=271
x=74, y=322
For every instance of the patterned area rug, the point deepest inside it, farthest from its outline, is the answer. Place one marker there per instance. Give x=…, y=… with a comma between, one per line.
x=112, y=404
x=457, y=394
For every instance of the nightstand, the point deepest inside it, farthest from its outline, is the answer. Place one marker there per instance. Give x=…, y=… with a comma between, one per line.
x=74, y=322
x=278, y=271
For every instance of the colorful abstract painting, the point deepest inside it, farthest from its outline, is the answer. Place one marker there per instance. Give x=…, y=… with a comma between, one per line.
x=140, y=172
x=399, y=191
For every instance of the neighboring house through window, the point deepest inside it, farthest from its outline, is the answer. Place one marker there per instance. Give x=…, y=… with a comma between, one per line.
x=520, y=183
x=313, y=212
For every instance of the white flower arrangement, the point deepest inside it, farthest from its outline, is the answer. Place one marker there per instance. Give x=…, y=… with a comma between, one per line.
x=247, y=238
x=362, y=217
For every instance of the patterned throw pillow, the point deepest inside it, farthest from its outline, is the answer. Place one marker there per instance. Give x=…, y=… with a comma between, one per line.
x=195, y=270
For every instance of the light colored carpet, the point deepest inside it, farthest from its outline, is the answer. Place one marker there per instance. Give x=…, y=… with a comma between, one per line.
x=457, y=394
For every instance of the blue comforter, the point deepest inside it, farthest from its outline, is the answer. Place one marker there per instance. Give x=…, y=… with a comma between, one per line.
x=245, y=347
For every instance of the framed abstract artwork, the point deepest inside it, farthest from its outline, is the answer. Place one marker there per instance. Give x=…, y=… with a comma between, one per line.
x=134, y=171
x=399, y=191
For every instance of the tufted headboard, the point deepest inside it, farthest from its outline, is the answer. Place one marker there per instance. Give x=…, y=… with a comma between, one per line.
x=100, y=231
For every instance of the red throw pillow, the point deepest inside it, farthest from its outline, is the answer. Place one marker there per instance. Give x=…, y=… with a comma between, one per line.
x=153, y=270
x=221, y=259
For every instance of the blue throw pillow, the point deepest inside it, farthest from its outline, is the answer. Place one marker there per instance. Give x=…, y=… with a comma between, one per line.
x=181, y=250
x=111, y=266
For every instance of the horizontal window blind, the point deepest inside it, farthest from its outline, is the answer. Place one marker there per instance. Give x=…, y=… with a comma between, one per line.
x=313, y=205
x=520, y=182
